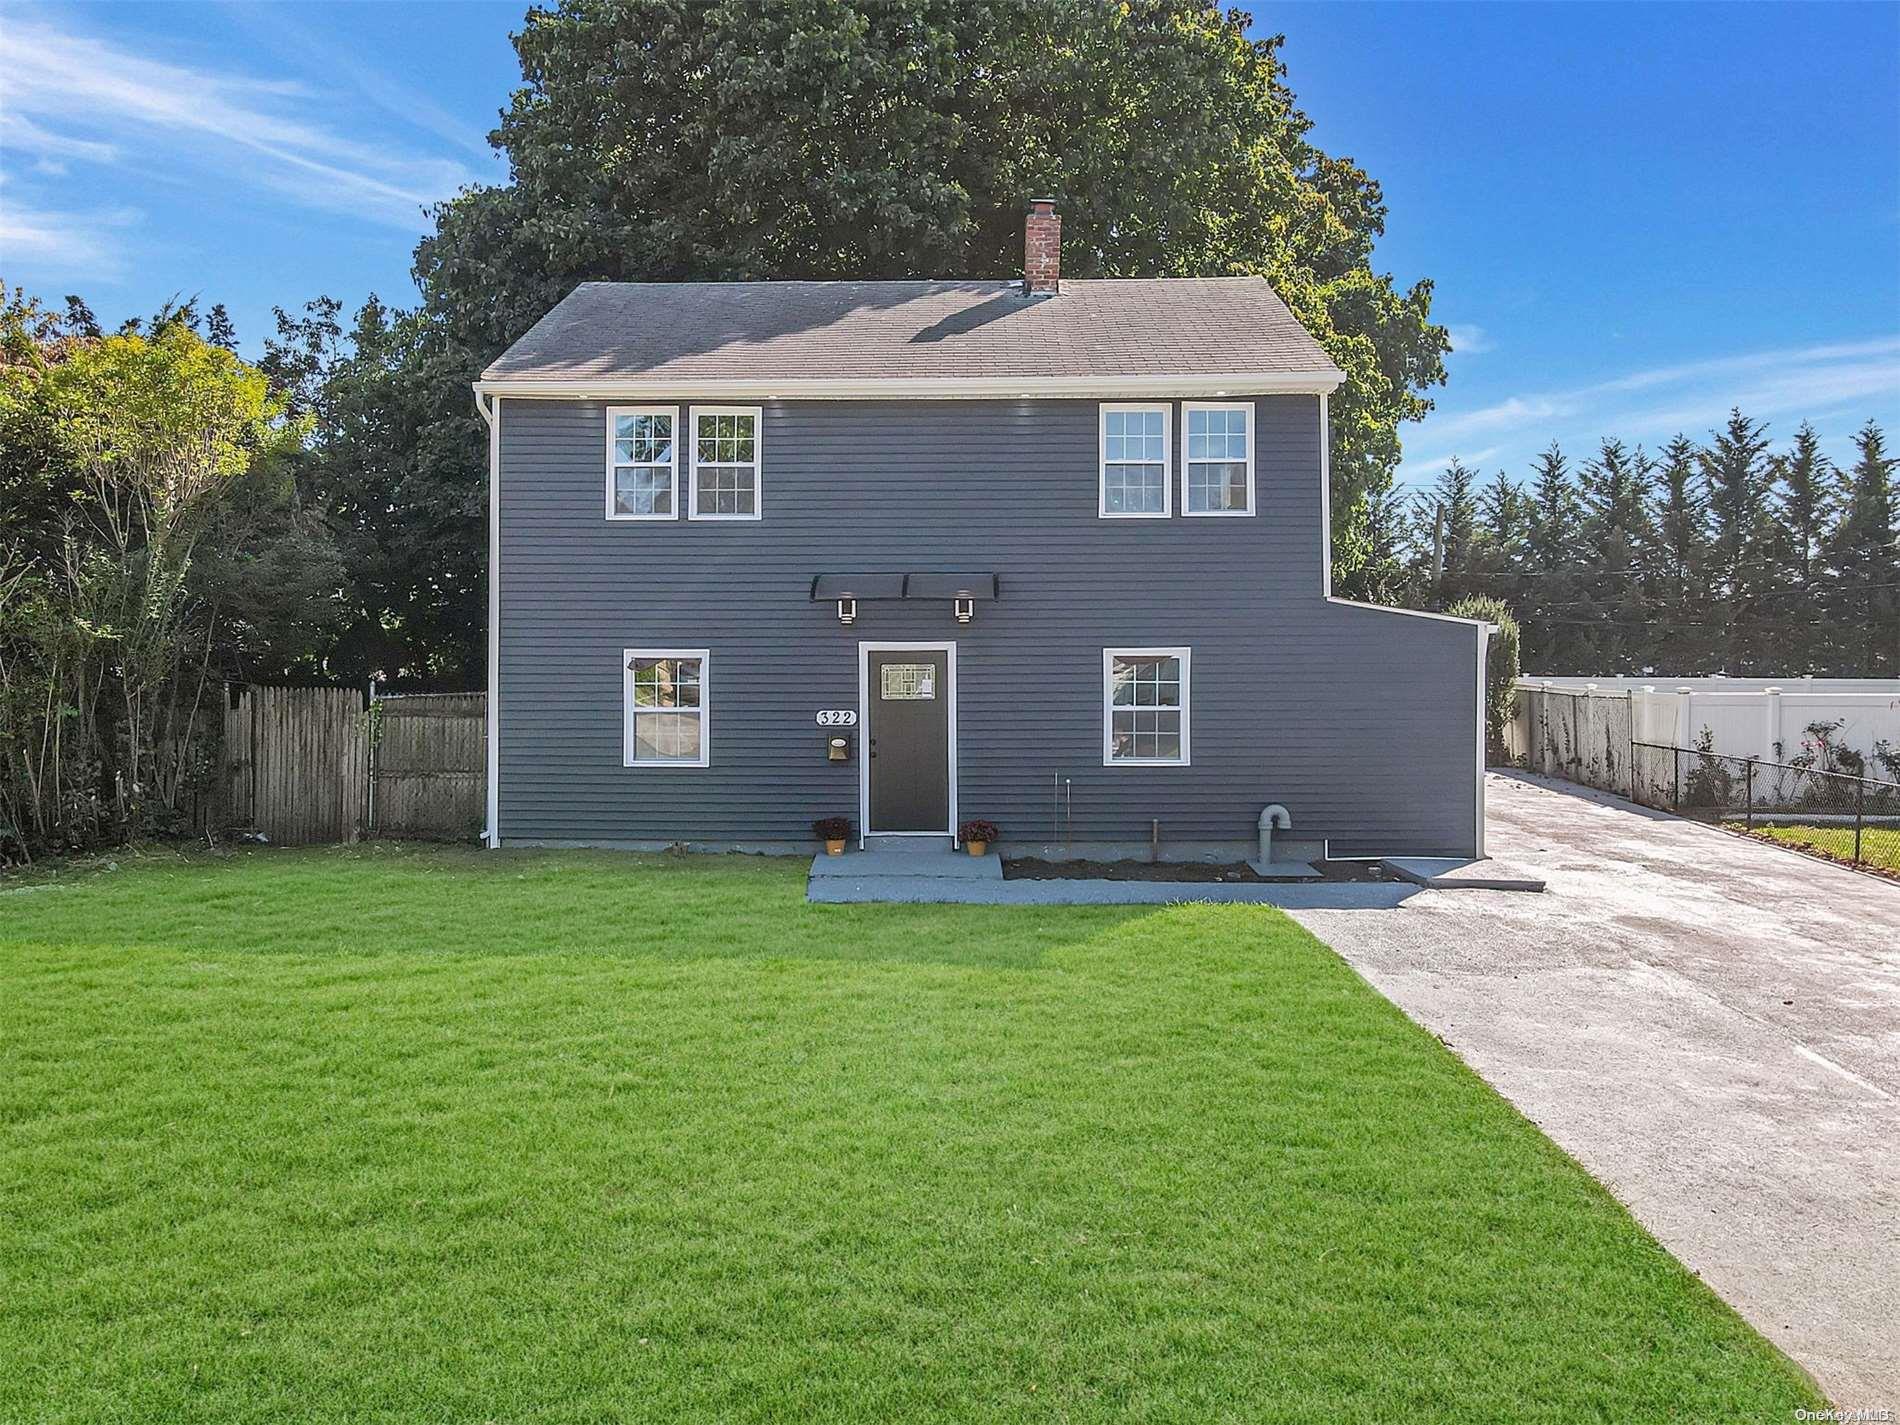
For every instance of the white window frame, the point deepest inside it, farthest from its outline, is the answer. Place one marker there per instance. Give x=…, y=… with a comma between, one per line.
x=1109, y=655
x=758, y=460
x=1166, y=408
x=627, y=758
x=613, y=413
x=1253, y=416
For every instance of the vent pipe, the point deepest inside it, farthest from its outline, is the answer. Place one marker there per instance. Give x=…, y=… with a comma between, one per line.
x=1270, y=817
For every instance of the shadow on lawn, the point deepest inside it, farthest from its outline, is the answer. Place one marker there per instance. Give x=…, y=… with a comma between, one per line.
x=384, y=899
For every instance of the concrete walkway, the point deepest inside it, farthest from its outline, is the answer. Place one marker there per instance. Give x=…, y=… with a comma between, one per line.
x=921, y=870
x=1711, y=1025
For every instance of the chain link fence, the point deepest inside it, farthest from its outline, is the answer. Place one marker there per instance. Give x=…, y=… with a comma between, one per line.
x=1835, y=814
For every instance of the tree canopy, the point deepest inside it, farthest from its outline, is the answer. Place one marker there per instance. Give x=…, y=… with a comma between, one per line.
x=674, y=140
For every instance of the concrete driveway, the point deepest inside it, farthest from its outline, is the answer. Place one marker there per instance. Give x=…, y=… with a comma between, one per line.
x=1710, y=1025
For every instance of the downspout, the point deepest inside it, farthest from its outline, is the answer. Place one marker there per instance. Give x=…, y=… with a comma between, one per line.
x=490, y=412
x=1485, y=631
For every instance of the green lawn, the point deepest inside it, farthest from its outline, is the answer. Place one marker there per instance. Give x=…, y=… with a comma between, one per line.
x=437, y=1135
x=1879, y=845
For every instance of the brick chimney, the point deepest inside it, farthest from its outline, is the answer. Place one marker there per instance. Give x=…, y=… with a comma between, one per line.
x=1042, y=248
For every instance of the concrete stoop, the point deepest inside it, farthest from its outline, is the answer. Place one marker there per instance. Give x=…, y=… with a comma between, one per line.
x=1460, y=873
x=907, y=858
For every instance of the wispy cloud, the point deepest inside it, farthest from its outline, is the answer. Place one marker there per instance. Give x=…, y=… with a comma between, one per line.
x=69, y=95
x=276, y=26
x=79, y=244
x=1654, y=403
x=1468, y=339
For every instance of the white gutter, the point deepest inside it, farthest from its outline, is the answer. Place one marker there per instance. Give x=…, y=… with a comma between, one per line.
x=910, y=388
x=491, y=413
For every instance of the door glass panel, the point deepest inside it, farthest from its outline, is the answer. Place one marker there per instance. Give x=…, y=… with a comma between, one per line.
x=906, y=682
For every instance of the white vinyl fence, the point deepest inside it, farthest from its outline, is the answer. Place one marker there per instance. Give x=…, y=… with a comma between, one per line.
x=1756, y=717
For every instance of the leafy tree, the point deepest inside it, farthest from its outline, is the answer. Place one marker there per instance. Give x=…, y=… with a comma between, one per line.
x=675, y=139
x=135, y=452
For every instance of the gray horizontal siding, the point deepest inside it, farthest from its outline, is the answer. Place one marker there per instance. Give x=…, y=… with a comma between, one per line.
x=1361, y=722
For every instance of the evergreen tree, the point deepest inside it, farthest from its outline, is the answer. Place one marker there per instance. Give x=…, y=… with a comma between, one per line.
x=1864, y=602
x=1679, y=612
x=1736, y=476
x=1618, y=548
x=1550, y=616
x=1503, y=540
x=1447, y=522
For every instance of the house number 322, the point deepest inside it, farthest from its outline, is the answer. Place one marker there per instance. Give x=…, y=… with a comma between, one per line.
x=838, y=717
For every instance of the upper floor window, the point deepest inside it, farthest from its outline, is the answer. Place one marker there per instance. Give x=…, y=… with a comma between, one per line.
x=664, y=697
x=642, y=463
x=1145, y=706
x=725, y=484
x=1217, y=470
x=1135, y=480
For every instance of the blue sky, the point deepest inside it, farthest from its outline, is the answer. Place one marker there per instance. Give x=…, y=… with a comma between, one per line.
x=1635, y=215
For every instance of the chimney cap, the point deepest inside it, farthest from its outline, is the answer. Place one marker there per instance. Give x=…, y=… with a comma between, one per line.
x=1049, y=203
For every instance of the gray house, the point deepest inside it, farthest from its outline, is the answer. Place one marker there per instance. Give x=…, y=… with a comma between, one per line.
x=1051, y=554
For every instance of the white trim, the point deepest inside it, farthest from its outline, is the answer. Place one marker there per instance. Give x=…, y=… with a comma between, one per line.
x=1253, y=420
x=1484, y=717
x=1166, y=411
x=627, y=759
x=1408, y=613
x=975, y=388
x=758, y=460
x=1109, y=655
x=865, y=650
x=491, y=704
x=673, y=414
x=1325, y=499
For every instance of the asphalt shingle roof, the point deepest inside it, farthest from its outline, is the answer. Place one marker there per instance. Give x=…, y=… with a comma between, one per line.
x=1131, y=327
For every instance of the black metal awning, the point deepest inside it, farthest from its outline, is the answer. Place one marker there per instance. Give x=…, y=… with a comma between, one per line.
x=828, y=587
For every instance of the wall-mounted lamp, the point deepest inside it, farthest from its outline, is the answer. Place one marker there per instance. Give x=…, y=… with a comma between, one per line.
x=847, y=611
x=966, y=609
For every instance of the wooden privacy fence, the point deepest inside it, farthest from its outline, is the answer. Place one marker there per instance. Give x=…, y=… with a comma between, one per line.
x=309, y=765
x=429, y=765
x=298, y=761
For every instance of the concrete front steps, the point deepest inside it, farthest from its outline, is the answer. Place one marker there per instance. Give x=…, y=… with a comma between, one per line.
x=1460, y=873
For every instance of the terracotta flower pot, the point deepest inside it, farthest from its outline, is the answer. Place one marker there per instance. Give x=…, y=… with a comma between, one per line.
x=977, y=848
x=835, y=848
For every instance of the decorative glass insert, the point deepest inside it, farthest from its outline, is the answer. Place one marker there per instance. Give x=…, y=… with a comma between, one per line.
x=1134, y=461
x=667, y=713
x=726, y=464
x=642, y=465
x=1147, y=708
x=907, y=682
x=1217, y=463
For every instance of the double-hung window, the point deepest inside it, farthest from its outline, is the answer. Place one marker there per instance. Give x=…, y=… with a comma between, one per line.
x=725, y=484
x=642, y=463
x=1135, y=481
x=665, y=699
x=1145, y=707
x=1217, y=465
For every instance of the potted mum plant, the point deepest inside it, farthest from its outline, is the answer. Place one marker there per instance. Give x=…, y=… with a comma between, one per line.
x=834, y=831
x=977, y=835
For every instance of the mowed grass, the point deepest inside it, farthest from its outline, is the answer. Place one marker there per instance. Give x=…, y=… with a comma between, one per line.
x=398, y=1134
x=1879, y=845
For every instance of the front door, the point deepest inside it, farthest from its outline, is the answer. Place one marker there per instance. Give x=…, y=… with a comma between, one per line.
x=907, y=740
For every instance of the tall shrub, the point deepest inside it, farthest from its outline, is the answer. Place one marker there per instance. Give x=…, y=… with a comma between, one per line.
x=1501, y=665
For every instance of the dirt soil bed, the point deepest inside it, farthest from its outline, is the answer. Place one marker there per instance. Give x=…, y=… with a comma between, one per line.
x=1197, y=872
